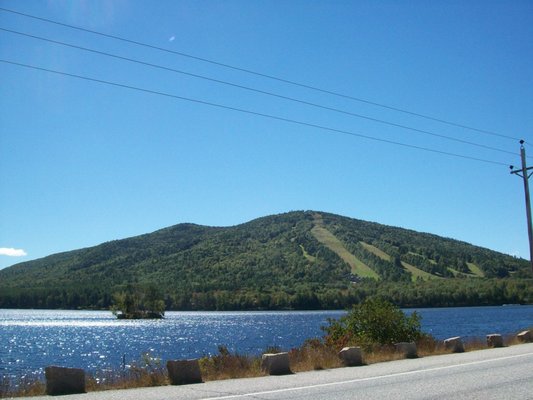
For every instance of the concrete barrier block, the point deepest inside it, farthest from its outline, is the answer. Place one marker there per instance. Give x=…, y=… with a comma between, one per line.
x=455, y=344
x=494, y=340
x=276, y=364
x=184, y=372
x=60, y=380
x=408, y=349
x=351, y=356
x=525, y=337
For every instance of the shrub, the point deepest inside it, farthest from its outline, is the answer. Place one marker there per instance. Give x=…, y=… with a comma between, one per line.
x=373, y=322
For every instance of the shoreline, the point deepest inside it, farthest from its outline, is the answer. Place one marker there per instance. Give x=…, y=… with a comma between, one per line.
x=186, y=343
x=312, y=356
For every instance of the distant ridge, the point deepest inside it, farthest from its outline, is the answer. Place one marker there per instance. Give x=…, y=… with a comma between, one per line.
x=300, y=259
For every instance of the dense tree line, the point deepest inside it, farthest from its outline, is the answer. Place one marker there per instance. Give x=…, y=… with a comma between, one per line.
x=56, y=298
x=432, y=293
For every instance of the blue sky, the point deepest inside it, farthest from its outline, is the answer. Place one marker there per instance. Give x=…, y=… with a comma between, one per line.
x=82, y=163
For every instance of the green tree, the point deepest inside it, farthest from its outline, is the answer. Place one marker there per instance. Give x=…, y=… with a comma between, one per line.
x=372, y=322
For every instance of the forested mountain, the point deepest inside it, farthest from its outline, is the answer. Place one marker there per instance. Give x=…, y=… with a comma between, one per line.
x=300, y=260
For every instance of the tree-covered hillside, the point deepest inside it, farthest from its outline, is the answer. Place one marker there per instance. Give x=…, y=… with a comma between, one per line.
x=301, y=260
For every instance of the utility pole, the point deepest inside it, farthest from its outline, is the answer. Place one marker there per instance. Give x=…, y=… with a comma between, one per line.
x=525, y=176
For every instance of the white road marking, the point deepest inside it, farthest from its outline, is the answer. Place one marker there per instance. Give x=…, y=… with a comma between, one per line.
x=321, y=385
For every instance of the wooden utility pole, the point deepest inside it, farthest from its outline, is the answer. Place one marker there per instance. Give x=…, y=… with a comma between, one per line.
x=525, y=176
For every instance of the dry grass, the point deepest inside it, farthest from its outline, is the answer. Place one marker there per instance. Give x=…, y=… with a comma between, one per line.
x=429, y=346
x=146, y=372
x=133, y=378
x=511, y=340
x=229, y=366
x=475, y=344
x=380, y=354
x=313, y=355
x=24, y=388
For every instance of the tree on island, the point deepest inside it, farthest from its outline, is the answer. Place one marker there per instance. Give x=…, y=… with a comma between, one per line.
x=138, y=303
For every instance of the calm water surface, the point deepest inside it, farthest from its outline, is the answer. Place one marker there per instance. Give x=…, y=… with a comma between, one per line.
x=94, y=340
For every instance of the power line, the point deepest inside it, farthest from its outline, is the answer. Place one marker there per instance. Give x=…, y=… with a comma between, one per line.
x=272, y=77
x=273, y=117
x=377, y=120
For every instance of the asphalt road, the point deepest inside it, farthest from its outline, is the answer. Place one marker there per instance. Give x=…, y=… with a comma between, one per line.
x=504, y=373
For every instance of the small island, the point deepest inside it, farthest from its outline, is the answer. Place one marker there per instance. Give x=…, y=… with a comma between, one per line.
x=138, y=303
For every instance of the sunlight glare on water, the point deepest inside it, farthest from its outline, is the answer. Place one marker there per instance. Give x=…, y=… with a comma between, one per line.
x=96, y=340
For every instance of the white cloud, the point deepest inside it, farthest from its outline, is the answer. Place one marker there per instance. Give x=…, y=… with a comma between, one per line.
x=6, y=251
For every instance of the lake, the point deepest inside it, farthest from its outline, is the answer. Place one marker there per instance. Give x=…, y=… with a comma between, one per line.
x=95, y=340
